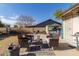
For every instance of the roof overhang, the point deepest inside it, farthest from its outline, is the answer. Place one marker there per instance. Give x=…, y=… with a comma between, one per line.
x=69, y=10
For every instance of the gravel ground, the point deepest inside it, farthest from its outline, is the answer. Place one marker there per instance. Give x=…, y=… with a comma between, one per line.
x=6, y=42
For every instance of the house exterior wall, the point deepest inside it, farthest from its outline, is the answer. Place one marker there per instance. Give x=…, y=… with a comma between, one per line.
x=47, y=29
x=75, y=24
x=75, y=28
x=71, y=24
x=68, y=30
x=70, y=27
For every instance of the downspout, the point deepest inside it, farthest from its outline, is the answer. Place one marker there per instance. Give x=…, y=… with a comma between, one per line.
x=61, y=31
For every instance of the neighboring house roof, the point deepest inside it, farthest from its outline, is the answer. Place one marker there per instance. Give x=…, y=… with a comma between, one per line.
x=44, y=23
x=70, y=9
x=47, y=22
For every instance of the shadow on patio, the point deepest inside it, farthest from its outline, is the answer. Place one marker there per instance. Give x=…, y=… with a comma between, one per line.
x=63, y=46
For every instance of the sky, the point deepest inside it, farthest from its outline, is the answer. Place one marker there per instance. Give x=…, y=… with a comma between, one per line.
x=39, y=11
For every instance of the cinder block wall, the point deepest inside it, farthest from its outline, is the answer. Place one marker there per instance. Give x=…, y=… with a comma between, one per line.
x=35, y=29
x=31, y=29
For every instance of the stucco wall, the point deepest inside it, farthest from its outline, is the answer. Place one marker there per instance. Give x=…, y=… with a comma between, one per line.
x=75, y=24
x=68, y=31
x=75, y=27
x=71, y=26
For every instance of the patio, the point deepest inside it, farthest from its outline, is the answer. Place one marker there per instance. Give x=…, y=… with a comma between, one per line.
x=62, y=50
x=37, y=49
x=44, y=52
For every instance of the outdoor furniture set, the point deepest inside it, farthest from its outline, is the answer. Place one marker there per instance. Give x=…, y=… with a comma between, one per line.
x=28, y=42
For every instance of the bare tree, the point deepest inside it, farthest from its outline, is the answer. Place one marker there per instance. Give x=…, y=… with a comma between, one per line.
x=25, y=20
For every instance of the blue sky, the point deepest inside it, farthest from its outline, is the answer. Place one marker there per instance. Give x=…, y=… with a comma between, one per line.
x=39, y=11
